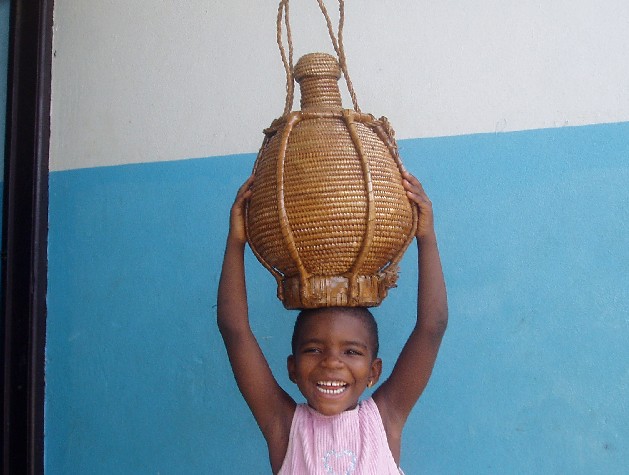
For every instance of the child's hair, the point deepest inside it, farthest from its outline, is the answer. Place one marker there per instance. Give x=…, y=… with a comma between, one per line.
x=362, y=313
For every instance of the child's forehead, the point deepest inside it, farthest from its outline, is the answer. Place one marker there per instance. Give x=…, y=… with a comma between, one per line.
x=335, y=322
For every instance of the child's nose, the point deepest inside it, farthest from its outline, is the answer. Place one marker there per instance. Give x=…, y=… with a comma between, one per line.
x=332, y=360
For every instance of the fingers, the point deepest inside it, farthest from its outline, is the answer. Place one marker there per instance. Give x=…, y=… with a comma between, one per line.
x=416, y=194
x=237, y=230
x=243, y=194
x=245, y=189
x=414, y=189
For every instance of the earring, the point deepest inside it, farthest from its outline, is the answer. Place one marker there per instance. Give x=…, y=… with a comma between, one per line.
x=369, y=383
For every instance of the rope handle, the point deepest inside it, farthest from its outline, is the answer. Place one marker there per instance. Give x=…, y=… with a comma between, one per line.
x=287, y=60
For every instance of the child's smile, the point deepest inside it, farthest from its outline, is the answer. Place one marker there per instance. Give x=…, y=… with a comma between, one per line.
x=331, y=387
x=333, y=361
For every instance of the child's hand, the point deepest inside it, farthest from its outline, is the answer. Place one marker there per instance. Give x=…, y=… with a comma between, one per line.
x=416, y=193
x=237, y=215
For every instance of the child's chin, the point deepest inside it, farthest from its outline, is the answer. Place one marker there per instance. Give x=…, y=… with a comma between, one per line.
x=331, y=409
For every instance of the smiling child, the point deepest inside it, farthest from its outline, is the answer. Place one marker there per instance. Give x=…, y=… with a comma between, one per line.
x=334, y=359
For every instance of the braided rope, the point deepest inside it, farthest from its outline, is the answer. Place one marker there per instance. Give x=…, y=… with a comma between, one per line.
x=339, y=48
x=282, y=12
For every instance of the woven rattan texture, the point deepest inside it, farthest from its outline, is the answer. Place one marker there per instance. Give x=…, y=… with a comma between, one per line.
x=328, y=215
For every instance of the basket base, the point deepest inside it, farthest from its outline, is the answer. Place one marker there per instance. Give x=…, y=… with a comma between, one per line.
x=336, y=291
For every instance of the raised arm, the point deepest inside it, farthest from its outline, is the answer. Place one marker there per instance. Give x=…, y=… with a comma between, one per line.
x=397, y=396
x=271, y=406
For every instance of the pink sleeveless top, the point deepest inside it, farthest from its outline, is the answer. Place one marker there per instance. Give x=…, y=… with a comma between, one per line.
x=353, y=442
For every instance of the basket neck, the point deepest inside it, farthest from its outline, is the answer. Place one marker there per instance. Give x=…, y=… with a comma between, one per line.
x=318, y=75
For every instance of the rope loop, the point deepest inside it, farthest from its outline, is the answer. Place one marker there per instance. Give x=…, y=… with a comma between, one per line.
x=282, y=13
x=337, y=43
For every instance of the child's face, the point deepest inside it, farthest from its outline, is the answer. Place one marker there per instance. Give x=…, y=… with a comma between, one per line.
x=333, y=361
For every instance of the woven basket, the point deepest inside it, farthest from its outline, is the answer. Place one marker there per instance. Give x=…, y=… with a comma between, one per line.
x=328, y=215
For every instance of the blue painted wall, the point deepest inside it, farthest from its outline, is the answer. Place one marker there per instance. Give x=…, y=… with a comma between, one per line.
x=533, y=376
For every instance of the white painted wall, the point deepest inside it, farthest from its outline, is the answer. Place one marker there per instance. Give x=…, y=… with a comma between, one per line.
x=142, y=81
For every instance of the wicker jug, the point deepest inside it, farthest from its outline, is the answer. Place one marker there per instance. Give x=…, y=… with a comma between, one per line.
x=328, y=215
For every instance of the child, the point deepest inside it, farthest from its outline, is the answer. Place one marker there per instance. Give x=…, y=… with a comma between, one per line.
x=334, y=360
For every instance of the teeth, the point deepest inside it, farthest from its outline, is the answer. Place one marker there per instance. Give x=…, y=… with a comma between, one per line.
x=331, y=391
x=324, y=386
x=331, y=383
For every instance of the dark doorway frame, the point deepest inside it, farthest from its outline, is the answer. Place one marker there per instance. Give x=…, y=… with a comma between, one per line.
x=25, y=236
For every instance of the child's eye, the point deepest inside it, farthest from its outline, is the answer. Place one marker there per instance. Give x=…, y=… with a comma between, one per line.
x=311, y=350
x=353, y=352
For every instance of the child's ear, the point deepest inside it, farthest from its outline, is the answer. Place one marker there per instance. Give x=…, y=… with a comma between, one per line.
x=376, y=371
x=290, y=364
